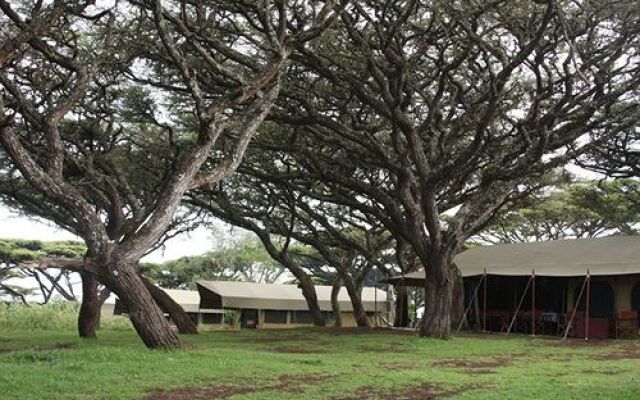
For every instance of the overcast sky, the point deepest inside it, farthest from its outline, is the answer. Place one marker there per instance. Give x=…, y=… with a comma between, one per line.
x=19, y=227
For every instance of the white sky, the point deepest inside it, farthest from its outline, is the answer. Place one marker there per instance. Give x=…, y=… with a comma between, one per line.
x=14, y=226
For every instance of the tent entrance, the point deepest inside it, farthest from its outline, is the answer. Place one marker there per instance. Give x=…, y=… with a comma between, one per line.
x=518, y=303
x=249, y=318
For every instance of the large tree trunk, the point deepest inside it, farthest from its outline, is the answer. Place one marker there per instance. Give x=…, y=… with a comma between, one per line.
x=355, y=294
x=335, y=304
x=145, y=315
x=309, y=293
x=89, y=315
x=402, y=307
x=103, y=295
x=305, y=282
x=439, y=283
x=184, y=324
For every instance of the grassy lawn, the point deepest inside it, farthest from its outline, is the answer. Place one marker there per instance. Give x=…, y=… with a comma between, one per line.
x=314, y=364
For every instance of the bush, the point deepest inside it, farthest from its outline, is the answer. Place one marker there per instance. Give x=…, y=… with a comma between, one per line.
x=58, y=315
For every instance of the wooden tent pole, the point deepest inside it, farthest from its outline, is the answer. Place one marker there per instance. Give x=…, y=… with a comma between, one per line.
x=484, y=305
x=575, y=308
x=588, y=306
x=533, y=303
x=515, y=315
x=471, y=302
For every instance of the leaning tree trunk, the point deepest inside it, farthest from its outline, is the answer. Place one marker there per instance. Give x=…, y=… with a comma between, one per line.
x=145, y=315
x=103, y=295
x=305, y=282
x=439, y=284
x=184, y=324
x=335, y=304
x=355, y=294
x=89, y=315
x=309, y=293
x=402, y=307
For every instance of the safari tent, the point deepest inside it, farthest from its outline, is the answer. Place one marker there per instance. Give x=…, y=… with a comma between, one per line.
x=189, y=300
x=584, y=287
x=262, y=305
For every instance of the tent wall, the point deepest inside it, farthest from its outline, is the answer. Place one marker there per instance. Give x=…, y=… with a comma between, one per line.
x=209, y=299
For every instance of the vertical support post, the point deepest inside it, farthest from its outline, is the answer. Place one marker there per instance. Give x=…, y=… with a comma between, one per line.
x=484, y=302
x=588, y=306
x=533, y=303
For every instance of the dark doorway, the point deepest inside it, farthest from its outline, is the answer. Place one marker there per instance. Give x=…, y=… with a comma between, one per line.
x=249, y=318
x=602, y=300
x=635, y=297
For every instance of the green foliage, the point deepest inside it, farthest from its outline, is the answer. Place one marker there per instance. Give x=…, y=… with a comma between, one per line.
x=16, y=251
x=13, y=251
x=575, y=210
x=57, y=315
x=244, y=261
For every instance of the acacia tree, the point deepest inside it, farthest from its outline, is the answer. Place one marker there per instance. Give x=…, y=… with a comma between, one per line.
x=14, y=252
x=415, y=111
x=576, y=210
x=222, y=60
x=244, y=261
x=617, y=153
x=263, y=197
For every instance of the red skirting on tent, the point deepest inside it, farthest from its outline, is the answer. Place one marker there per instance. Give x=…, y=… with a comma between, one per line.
x=599, y=328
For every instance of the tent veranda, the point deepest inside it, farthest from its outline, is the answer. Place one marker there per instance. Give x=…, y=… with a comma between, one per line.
x=596, y=280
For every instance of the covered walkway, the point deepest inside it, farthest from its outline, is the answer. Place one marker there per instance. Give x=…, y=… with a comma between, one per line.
x=585, y=288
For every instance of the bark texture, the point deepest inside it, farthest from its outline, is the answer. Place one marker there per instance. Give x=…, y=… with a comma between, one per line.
x=145, y=315
x=436, y=322
x=355, y=294
x=89, y=315
x=309, y=293
x=184, y=324
x=335, y=304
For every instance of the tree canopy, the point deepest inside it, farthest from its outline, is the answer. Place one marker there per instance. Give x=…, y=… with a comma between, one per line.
x=246, y=261
x=382, y=135
x=572, y=211
x=14, y=252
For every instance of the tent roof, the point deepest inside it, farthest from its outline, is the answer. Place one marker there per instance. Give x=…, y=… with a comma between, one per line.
x=189, y=300
x=615, y=255
x=286, y=297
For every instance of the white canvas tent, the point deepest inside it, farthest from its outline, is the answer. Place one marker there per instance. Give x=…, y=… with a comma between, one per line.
x=616, y=255
x=249, y=295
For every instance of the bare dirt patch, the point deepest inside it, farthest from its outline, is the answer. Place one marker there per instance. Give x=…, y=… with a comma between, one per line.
x=371, y=331
x=397, y=366
x=480, y=371
x=205, y=393
x=295, y=350
x=473, y=364
x=627, y=352
x=602, y=371
x=426, y=391
x=386, y=348
x=286, y=383
x=292, y=383
x=275, y=338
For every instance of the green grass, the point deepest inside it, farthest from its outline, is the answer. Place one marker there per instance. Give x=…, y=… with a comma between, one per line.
x=54, y=364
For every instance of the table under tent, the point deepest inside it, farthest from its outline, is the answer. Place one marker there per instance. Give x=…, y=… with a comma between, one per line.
x=586, y=288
